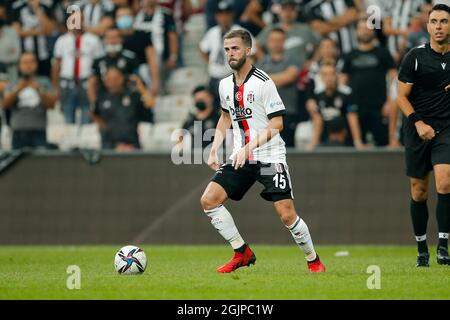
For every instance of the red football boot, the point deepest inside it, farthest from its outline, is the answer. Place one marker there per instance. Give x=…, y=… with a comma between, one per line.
x=316, y=266
x=239, y=260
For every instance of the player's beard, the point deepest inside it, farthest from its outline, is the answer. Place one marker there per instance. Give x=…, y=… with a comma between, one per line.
x=238, y=64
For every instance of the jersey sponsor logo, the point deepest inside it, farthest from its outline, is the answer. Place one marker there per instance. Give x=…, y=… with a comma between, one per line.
x=443, y=65
x=250, y=97
x=238, y=96
x=241, y=113
x=275, y=104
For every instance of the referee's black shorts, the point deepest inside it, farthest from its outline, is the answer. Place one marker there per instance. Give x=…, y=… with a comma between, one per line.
x=274, y=177
x=422, y=155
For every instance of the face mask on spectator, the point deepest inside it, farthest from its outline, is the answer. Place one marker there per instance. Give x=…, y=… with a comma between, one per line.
x=200, y=105
x=125, y=22
x=113, y=48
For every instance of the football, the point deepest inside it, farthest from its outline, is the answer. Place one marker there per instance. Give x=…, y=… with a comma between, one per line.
x=130, y=260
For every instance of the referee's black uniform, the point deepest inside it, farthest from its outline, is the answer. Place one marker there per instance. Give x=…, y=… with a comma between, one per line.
x=429, y=73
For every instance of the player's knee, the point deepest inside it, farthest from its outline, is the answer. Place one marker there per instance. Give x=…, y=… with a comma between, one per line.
x=419, y=192
x=208, y=201
x=443, y=186
x=286, y=212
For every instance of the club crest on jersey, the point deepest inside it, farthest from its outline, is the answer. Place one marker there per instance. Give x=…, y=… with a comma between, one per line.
x=238, y=96
x=250, y=97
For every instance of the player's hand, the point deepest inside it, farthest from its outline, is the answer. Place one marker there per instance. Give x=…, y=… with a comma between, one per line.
x=425, y=131
x=213, y=161
x=240, y=157
x=447, y=88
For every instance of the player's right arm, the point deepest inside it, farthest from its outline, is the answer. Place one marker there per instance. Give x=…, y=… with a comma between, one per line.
x=424, y=131
x=222, y=126
x=406, y=80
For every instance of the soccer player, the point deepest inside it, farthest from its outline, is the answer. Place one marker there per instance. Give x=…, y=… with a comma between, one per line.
x=424, y=98
x=251, y=104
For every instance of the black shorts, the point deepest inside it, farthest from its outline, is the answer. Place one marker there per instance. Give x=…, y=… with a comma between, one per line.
x=274, y=177
x=422, y=155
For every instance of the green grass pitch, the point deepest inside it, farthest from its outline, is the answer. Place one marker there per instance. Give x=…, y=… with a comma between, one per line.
x=188, y=272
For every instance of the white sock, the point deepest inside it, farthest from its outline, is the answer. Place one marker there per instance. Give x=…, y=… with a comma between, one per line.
x=222, y=220
x=443, y=235
x=300, y=233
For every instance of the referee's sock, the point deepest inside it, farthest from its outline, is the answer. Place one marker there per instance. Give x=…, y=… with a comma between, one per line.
x=419, y=215
x=443, y=218
x=222, y=220
x=300, y=233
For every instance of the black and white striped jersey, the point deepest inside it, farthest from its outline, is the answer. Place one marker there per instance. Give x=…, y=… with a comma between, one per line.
x=401, y=12
x=328, y=9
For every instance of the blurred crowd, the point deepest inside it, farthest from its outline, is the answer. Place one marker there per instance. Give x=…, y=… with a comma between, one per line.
x=107, y=62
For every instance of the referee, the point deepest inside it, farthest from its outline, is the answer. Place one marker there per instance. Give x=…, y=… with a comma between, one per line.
x=424, y=98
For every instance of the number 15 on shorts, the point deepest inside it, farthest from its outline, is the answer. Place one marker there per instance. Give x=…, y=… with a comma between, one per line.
x=280, y=181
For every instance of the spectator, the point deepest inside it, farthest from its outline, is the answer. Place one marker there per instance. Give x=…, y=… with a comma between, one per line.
x=283, y=69
x=118, y=111
x=252, y=16
x=336, y=19
x=246, y=13
x=300, y=38
x=9, y=45
x=74, y=55
x=332, y=102
x=366, y=69
x=211, y=48
x=29, y=98
x=420, y=35
x=160, y=24
x=141, y=44
x=116, y=56
x=375, y=18
x=327, y=52
x=33, y=22
x=337, y=133
x=98, y=16
x=203, y=118
x=181, y=10
x=396, y=25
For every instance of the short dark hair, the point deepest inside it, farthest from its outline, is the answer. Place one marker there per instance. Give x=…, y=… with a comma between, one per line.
x=440, y=7
x=200, y=88
x=336, y=125
x=240, y=33
x=277, y=30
